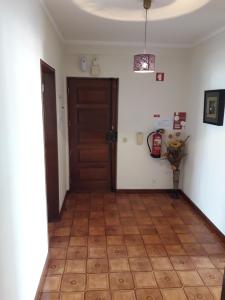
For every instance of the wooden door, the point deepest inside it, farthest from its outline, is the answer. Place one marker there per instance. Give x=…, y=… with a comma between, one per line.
x=92, y=117
x=50, y=139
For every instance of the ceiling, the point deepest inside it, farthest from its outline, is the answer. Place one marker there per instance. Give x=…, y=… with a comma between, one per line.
x=172, y=22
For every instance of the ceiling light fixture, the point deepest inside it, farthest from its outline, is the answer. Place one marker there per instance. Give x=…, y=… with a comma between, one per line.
x=145, y=63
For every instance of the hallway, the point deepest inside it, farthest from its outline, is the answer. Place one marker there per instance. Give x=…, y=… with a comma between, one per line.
x=132, y=247
x=124, y=245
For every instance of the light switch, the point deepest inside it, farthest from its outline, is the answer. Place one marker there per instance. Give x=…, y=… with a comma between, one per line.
x=124, y=140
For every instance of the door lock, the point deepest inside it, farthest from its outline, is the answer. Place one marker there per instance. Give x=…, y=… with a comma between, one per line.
x=111, y=136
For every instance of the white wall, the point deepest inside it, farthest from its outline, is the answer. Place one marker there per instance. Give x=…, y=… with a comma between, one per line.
x=140, y=97
x=205, y=164
x=26, y=36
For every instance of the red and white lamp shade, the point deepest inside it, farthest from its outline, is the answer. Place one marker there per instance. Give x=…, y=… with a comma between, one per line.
x=144, y=63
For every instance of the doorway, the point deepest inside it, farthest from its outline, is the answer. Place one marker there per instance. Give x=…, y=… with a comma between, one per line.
x=92, y=122
x=50, y=140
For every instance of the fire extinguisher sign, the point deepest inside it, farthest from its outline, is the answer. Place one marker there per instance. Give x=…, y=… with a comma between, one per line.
x=160, y=76
x=179, y=120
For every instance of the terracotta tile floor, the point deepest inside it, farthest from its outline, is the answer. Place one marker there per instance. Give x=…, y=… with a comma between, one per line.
x=132, y=247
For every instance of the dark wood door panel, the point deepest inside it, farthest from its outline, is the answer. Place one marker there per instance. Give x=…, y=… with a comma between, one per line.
x=97, y=118
x=86, y=169
x=91, y=136
x=97, y=96
x=90, y=185
x=100, y=154
x=99, y=173
x=92, y=109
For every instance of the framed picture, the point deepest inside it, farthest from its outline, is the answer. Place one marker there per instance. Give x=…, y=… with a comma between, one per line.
x=214, y=107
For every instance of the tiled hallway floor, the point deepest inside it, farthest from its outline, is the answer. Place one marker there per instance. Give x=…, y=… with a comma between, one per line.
x=132, y=247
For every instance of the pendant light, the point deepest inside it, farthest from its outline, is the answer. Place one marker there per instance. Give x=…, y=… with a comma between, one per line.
x=145, y=63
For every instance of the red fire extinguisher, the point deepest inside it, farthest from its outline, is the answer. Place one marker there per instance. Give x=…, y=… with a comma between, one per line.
x=155, y=144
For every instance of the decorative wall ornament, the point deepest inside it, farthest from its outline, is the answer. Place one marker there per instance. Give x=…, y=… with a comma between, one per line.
x=83, y=64
x=95, y=68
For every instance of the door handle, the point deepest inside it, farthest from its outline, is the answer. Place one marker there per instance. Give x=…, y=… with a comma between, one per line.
x=111, y=136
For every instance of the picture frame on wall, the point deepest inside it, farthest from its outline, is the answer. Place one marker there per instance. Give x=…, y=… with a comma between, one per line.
x=214, y=107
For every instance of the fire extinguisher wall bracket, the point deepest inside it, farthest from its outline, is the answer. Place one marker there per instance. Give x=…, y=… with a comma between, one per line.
x=148, y=137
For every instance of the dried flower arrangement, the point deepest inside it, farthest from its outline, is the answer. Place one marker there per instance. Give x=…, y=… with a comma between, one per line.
x=175, y=151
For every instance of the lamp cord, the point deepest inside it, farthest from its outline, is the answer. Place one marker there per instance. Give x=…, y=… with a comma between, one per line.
x=146, y=21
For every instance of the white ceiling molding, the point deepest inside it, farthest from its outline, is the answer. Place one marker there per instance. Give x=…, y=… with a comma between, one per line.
x=208, y=37
x=125, y=44
x=52, y=21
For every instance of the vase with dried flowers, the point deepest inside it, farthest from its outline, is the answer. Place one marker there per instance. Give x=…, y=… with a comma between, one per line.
x=175, y=152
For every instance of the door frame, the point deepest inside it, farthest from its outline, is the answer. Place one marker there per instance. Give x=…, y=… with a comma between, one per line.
x=223, y=287
x=114, y=123
x=53, y=203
